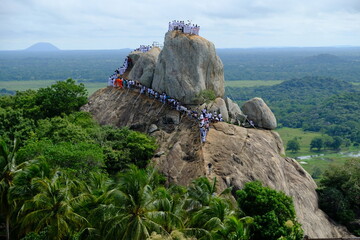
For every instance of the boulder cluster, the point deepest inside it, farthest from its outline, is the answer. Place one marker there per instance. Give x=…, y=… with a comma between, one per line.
x=186, y=67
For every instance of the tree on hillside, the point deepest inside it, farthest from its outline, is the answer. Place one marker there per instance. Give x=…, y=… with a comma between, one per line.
x=61, y=97
x=339, y=193
x=9, y=168
x=293, y=145
x=52, y=208
x=316, y=142
x=273, y=212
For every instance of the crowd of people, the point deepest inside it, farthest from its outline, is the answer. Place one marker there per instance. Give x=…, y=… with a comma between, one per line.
x=184, y=27
x=204, y=117
x=117, y=80
x=143, y=48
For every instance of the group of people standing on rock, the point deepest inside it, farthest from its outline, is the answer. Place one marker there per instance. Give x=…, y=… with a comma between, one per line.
x=184, y=27
x=204, y=118
x=143, y=48
x=127, y=63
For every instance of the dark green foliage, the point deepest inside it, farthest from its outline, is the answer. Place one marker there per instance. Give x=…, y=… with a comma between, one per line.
x=312, y=103
x=64, y=97
x=19, y=114
x=124, y=146
x=59, y=65
x=339, y=194
x=205, y=96
x=317, y=142
x=316, y=173
x=288, y=63
x=293, y=145
x=79, y=158
x=273, y=212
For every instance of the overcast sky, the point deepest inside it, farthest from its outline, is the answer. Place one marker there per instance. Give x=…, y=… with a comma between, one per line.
x=116, y=24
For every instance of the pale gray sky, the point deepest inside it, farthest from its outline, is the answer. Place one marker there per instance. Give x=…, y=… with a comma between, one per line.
x=115, y=24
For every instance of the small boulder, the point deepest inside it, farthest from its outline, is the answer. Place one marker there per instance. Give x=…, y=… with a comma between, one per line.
x=172, y=117
x=153, y=128
x=257, y=111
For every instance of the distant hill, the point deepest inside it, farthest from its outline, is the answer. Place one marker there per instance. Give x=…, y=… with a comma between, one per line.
x=323, y=59
x=43, y=47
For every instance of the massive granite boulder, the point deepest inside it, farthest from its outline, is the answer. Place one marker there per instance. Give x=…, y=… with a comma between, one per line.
x=144, y=67
x=237, y=155
x=258, y=112
x=187, y=65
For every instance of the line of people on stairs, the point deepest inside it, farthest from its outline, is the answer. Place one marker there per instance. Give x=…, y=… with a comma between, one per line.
x=204, y=118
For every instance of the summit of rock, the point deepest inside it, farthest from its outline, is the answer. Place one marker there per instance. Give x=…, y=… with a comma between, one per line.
x=188, y=65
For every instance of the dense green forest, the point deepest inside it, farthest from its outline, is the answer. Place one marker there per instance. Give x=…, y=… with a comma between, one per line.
x=239, y=64
x=312, y=103
x=290, y=63
x=339, y=194
x=60, y=65
x=63, y=176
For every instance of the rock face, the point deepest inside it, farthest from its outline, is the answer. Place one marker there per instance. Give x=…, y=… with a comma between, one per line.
x=257, y=111
x=144, y=67
x=219, y=106
x=135, y=56
x=187, y=65
x=234, y=111
x=237, y=154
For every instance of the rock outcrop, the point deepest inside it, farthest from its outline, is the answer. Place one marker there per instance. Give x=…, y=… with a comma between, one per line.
x=187, y=65
x=257, y=111
x=144, y=67
x=237, y=154
x=235, y=113
x=219, y=106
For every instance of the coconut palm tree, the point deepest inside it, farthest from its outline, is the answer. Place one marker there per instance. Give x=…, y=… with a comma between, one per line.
x=52, y=208
x=8, y=168
x=206, y=210
x=138, y=206
x=235, y=228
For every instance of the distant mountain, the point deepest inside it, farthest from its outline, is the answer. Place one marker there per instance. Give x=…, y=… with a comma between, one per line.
x=323, y=59
x=43, y=47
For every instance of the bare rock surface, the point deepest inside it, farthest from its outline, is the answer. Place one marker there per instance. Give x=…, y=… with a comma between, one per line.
x=257, y=111
x=135, y=56
x=144, y=67
x=187, y=65
x=237, y=155
x=234, y=110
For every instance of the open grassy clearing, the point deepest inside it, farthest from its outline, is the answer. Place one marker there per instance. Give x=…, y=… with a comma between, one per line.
x=252, y=83
x=314, y=161
x=304, y=139
x=36, y=84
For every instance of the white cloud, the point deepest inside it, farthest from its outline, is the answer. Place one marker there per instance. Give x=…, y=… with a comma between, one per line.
x=93, y=24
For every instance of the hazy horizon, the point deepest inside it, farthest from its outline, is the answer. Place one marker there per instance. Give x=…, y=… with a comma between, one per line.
x=110, y=24
x=128, y=48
